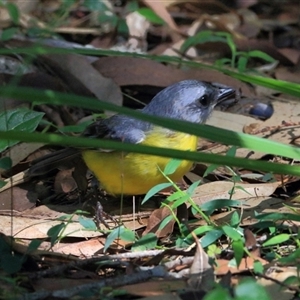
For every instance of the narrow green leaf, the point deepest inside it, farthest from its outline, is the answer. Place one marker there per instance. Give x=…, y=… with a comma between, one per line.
x=87, y=223
x=220, y=203
x=132, y=6
x=155, y=190
x=95, y=5
x=13, y=12
x=278, y=217
x=262, y=55
x=231, y=151
x=242, y=63
x=258, y=267
x=210, y=169
x=8, y=34
x=54, y=232
x=235, y=219
x=172, y=166
x=150, y=15
x=165, y=222
x=175, y=196
x=191, y=188
x=112, y=236
x=127, y=235
x=75, y=128
x=291, y=280
x=119, y=233
x=184, y=198
x=276, y=240
x=146, y=242
x=210, y=237
x=232, y=233
x=33, y=245
x=189, y=239
x=201, y=38
x=238, y=250
x=5, y=163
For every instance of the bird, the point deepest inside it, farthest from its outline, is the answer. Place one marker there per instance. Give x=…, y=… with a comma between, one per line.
x=121, y=173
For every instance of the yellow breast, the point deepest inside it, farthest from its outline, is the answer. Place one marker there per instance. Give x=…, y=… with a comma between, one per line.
x=134, y=173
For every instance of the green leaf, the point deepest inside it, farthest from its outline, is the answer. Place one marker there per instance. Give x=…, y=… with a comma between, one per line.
x=235, y=219
x=165, y=222
x=218, y=294
x=8, y=33
x=95, y=5
x=219, y=203
x=238, y=250
x=122, y=27
x=210, y=169
x=201, y=38
x=127, y=235
x=33, y=245
x=191, y=188
x=75, y=128
x=278, y=239
x=150, y=15
x=11, y=263
x=119, y=233
x=87, y=223
x=184, y=198
x=108, y=17
x=258, y=267
x=231, y=151
x=155, y=190
x=262, y=55
x=175, y=196
x=146, y=242
x=210, y=237
x=5, y=163
x=242, y=63
x=221, y=63
x=250, y=290
x=291, y=280
x=132, y=6
x=54, y=232
x=13, y=12
x=172, y=166
x=2, y=183
x=278, y=217
x=18, y=119
x=291, y=258
x=232, y=233
x=188, y=240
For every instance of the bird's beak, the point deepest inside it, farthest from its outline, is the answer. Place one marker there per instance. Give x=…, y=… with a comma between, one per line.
x=226, y=93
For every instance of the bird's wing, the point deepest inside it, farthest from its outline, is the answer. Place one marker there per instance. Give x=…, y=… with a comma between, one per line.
x=118, y=128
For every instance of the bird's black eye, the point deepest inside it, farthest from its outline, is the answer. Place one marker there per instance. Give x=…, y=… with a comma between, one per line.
x=204, y=101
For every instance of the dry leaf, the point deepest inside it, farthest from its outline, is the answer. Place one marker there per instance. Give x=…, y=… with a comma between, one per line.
x=201, y=272
x=161, y=11
x=221, y=189
x=156, y=218
x=76, y=70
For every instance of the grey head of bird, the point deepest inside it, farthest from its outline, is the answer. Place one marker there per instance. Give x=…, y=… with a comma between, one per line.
x=189, y=100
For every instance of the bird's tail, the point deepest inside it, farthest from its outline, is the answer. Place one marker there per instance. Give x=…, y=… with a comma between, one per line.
x=63, y=159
